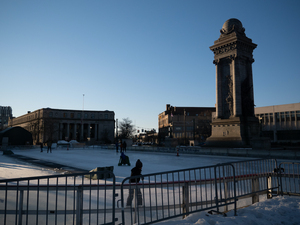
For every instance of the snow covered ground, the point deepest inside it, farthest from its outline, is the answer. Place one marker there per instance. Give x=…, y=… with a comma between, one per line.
x=279, y=210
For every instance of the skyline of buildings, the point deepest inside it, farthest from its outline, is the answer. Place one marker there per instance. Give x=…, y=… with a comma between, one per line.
x=281, y=123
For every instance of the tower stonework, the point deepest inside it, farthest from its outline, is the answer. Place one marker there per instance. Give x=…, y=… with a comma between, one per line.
x=234, y=124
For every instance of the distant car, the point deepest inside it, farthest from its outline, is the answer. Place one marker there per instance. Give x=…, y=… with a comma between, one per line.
x=73, y=142
x=136, y=144
x=63, y=143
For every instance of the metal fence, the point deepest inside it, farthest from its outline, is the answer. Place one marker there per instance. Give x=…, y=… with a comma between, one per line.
x=60, y=199
x=90, y=198
x=256, y=177
x=178, y=193
x=289, y=173
x=162, y=196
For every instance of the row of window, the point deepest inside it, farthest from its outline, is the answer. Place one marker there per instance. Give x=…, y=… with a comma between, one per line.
x=279, y=117
x=181, y=135
x=5, y=111
x=180, y=129
x=85, y=115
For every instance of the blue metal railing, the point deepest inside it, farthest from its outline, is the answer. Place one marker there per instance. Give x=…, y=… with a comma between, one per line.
x=89, y=198
x=59, y=199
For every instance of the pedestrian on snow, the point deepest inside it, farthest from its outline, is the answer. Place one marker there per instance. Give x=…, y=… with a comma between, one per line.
x=135, y=171
x=41, y=144
x=117, y=146
x=123, y=155
x=124, y=146
x=121, y=146
x=49, y=143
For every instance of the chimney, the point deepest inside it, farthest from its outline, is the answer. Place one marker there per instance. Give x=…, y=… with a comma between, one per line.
x=167, y=107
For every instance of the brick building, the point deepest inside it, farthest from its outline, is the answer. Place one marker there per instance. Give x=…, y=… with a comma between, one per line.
x=185, y=123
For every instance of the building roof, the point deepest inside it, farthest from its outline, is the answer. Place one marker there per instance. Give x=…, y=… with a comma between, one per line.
x=16, y=136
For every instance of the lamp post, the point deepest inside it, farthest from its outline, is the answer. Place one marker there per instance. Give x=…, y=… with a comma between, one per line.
x=117, y=127
x=184, y=127
x=82, y=126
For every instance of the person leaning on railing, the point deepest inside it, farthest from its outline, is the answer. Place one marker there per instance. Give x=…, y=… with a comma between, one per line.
x=135, y=171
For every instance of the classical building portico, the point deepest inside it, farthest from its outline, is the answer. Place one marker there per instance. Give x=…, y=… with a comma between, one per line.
x=58, y=124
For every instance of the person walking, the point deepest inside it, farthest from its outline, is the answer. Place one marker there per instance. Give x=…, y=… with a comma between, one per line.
x=124, y=146
x=135, y=171
x=117, y=146
x=49, y=143
x=121, y=146
x=41, y=144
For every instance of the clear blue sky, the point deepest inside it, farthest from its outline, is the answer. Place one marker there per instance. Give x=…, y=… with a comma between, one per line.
x=134, y=57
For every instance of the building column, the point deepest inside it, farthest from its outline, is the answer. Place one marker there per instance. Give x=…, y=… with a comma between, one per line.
x=96, y=131
x=218, y=89
x=89, y=131
x=81, y=132
x=61, y=127
x=68, y=131
x=236, y=94
x=250, y=74
x=75, y=130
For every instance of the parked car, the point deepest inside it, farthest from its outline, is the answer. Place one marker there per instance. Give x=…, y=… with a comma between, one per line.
x=63, y=143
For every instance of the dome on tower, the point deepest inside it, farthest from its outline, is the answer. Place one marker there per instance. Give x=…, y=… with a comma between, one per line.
x=232, y=25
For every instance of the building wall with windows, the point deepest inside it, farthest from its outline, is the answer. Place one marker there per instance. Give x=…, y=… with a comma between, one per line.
x=5, y=114
x=185, y=123
x=280, y=122
x=59, y=124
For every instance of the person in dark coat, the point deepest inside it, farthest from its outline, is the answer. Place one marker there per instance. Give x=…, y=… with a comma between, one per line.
x=49, y=143
x=41, y=144
x=124, y=146
x=121, y=146
x=117, y=146
x=135, y=171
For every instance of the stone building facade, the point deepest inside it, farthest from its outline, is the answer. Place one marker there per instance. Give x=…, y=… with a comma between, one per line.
x=281, y=123
x=185, y=123
x=58, y=124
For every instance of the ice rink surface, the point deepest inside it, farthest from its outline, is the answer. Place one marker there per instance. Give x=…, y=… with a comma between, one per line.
x=279, y=210
x=88, y=159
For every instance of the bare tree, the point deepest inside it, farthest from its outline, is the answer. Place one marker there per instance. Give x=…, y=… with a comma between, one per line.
x=50, y=128
x=36, y=129
x=105, y=137
x=126, y=128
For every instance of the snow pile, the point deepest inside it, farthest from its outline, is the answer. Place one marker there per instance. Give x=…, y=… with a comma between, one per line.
x=279, y=210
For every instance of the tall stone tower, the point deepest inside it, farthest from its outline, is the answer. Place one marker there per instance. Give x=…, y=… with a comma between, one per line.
x=234, y=124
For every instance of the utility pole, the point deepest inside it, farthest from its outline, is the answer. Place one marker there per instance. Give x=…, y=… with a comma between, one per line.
x=184, y=127
x=117, y=127
x=82, y=126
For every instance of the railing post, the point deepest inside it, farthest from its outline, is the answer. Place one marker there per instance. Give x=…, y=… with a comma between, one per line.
x=269, y=194
x=226, y=193
x=135, y=205
x=79, y=210
x=280, y=180
x=216, y=189
x=255, y=188
x=21, y=207
x=185, y=198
